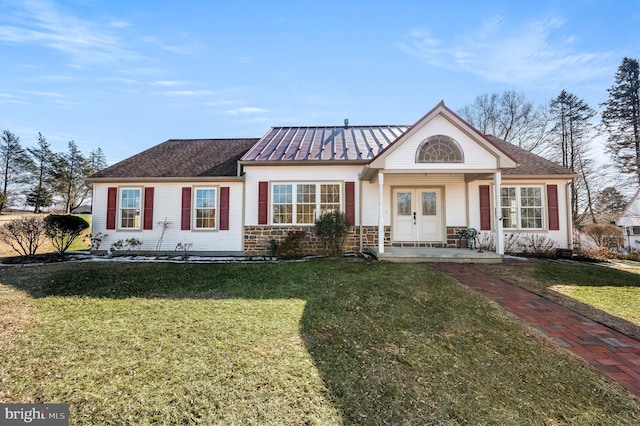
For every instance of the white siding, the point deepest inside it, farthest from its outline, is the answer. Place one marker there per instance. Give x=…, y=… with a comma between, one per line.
x=561, y=236
x=454, y=194
x=308, y=173
x=476, y=157
x=168, y=205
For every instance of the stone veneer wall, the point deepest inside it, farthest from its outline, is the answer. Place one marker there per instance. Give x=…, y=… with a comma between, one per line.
x=257, y=239
x=451, y=242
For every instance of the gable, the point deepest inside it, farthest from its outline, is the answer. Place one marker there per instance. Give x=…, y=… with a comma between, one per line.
x=630, y=216
x=478, y=152
x=474, y=156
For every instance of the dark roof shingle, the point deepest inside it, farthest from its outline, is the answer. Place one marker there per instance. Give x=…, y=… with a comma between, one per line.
x=529, y=164
x=178, y=158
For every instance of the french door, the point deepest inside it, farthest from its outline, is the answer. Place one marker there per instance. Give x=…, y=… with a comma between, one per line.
x=417, y=214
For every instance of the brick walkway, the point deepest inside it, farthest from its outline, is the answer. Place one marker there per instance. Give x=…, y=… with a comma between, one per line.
x=613, y=353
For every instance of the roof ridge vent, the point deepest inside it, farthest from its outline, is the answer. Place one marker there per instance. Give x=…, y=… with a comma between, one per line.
x=346, y=123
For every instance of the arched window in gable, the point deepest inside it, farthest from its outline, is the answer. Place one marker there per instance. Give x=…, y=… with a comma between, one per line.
x=439, y=149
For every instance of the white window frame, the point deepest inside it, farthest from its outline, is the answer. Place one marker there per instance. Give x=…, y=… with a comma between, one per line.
x=215, y=208
x=294, y=200
x=519, y=207
x=121, y=207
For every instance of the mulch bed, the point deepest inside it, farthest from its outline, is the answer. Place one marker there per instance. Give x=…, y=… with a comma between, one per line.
x=37, y=258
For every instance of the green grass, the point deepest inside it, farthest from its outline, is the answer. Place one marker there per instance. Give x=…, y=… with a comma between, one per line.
x=83, y=242
x=323, y=342
x=614, y=291
x=623, y=302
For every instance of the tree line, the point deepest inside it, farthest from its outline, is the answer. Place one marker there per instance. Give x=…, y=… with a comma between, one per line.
x=564, y=129
x=40, y=177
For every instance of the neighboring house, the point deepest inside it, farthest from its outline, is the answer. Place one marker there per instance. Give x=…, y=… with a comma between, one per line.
x=629, y=221
x=408, y=186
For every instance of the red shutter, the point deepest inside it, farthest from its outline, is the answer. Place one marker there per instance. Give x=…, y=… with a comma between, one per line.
x=186, y=209
x=552, y=203
x=112, y=198
x=263, y=203
x=148, y=208
x=224, y=208
x=350, y=202
x=485, y=208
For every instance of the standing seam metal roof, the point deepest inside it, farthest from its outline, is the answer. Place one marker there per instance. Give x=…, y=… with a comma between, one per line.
x=324, y=143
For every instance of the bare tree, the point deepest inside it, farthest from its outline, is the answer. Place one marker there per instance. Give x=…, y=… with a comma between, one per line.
x=24, y=235
x=509, y=116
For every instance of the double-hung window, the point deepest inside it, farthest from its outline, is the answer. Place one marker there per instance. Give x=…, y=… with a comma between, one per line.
x=522, y=207
x=206, y=201
x=303, y=203
x=130, y=204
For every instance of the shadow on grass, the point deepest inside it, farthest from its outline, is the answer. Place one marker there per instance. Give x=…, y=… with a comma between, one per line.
x=588, y=275
x=394, y=344
x=542, y=276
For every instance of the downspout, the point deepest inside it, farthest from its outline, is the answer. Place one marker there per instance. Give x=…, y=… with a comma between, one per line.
x=567, y=196
x=497, y=215
x=380, y=212
x=360, y=244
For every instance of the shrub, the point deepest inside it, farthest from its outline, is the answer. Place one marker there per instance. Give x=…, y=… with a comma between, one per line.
x=607, y=236
x=332, y=228
x=62, y=229
x=126, y=245
x=486, y=241
x=290, y=247
x=513, y=244
x=24, y=235
x=96, y=240
x=539, y=245
x=184, y=248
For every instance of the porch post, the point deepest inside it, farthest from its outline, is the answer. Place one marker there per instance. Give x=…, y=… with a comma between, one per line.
x=380, y=212
x=497, y=182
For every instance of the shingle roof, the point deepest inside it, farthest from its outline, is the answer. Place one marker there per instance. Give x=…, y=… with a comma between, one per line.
x=177, y=158
x=529, y=164
x=353, y=143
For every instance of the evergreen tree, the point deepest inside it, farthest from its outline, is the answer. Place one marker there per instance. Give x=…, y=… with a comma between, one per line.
x=14, y=163
x=41, y=164
x=569, y=141
x=621, y=118
x=69, y=171
x=610, y=200
x=40, y=197
x=97, y=160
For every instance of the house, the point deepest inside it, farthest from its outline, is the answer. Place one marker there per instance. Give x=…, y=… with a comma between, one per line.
x=399, y=186
x=629, y=221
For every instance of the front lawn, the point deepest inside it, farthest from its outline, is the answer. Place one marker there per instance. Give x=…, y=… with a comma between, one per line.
x=604, y=293
x=321, y=342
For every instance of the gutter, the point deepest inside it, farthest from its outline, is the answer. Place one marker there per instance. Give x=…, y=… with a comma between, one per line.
x=360, y=245
x=165, y=179
x=567, y=192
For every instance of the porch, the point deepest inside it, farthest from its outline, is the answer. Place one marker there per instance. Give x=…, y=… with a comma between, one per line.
x=433, y=254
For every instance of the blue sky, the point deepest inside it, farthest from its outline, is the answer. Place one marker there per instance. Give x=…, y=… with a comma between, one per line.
x=127, y=75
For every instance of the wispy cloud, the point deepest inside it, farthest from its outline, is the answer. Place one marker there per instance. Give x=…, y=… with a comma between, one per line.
x=247, y=110
x=529, y=53
x=36, y=22
x=186, y=93
x=168, y=83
